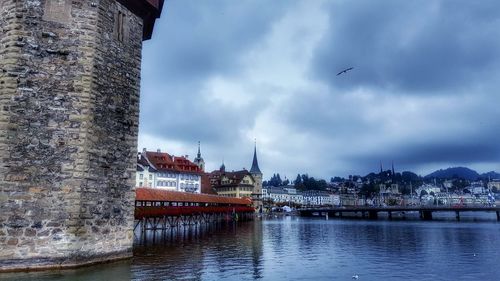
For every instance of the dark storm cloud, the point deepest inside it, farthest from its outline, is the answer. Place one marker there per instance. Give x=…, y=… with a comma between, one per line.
x=410, y=46
x=360, y=133
x=424, y=88
x=412, y=155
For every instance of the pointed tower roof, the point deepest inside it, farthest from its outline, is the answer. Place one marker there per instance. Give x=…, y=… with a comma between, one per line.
x=199, y=153
x=255, y=164
x=198, y=156
x=222, y=167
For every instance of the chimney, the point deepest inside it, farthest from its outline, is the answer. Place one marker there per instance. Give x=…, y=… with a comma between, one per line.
x=144, y=150
x=158, y=150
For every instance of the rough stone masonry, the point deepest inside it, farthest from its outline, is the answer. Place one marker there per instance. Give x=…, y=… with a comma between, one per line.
x=69, y=105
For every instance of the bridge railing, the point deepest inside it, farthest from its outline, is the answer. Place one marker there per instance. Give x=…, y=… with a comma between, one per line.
x=153, y=211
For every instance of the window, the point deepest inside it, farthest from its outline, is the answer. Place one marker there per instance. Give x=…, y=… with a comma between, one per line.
x=120, y=26
x=140, y=183
x=141, y=176
x=150, y=176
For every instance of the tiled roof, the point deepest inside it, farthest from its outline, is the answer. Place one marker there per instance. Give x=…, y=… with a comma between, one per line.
x=163, y=161
x=153, y=194
x=236, y=177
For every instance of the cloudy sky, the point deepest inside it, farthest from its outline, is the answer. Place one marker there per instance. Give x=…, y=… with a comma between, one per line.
x=424, y=91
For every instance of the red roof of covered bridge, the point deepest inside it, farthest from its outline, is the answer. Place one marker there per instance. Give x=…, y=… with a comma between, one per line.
x=155, y=194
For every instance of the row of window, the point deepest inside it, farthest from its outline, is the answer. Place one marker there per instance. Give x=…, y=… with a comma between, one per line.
x=141, y=176
x=228, y=189
x=166, y=183
x=189, y=185
x=189, y=177
x=181, y=176
x=175, y=204
x=169, y=175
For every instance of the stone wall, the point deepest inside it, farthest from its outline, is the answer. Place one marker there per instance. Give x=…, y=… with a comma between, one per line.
x=69, y=101
x=257, y=192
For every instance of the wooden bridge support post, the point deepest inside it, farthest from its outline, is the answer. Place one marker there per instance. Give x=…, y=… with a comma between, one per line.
x=373, y=215
x=390, y=215
x=427, y=215
x=457, y=215
x=498, y=215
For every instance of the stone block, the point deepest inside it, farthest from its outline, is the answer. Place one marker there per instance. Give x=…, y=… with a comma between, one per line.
x=12, y=241
x=29, y=232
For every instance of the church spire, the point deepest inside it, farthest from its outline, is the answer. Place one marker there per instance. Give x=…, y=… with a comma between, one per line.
x=199, y=160
x=255, y=164
x=222, y=167
x=199, y=153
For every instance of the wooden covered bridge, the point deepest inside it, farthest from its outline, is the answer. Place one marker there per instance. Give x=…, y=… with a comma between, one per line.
x=157, y=209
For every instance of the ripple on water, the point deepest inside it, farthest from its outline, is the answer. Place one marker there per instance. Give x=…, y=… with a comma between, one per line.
x=307, y=249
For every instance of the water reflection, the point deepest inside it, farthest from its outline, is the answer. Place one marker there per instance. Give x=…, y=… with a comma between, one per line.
x=291, y=248
x=382, y=250
x=206, y=252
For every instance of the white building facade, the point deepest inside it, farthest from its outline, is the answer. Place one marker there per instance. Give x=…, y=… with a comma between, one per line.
x=289, y=194
x=161, y=170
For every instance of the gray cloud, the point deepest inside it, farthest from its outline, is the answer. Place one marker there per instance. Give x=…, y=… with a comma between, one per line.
x=193, y=43
x=410, y=47
x=424, y=91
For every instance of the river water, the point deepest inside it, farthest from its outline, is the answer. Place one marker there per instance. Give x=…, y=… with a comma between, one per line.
x=293, y=248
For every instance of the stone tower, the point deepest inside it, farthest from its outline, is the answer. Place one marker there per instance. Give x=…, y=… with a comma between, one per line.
x=257, y=175
x=199, y=160
x=69, y=108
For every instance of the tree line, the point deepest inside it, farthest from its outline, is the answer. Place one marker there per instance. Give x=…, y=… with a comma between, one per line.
x=302, y=182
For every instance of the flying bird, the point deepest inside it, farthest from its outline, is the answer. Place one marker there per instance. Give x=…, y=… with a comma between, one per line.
x=345, y=70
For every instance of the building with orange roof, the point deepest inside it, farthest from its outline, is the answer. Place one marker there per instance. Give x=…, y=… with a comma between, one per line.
x=242, y=183
x=165, y=171
x=232, y=184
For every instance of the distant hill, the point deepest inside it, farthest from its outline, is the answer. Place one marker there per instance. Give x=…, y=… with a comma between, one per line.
x=490, y=175
x=460, y=172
